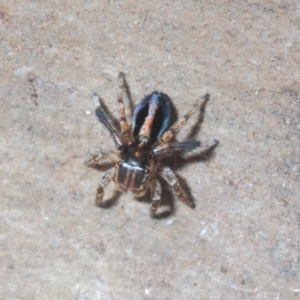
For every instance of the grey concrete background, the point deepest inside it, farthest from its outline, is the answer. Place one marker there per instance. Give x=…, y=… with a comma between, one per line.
x=242, y=239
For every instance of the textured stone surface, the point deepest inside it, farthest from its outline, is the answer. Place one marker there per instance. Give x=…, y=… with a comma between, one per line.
x=242, y=239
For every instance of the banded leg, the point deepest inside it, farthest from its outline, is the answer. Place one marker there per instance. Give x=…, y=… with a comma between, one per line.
x=172, y=180
x=125, y=129
x=101, y=157
x=169, y=134
x=106, y=179
x=155, y=188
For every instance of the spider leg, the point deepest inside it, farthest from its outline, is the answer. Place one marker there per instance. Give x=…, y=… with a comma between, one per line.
x=103, y=119
x=155, y=188
x=125, y=129
x=102, y=156
x=175, y=146
x=106, y=179
x=168, y=148
x=172, y=180
x=169, y=134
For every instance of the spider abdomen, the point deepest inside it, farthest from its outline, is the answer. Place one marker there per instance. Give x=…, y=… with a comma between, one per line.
x=151, y=118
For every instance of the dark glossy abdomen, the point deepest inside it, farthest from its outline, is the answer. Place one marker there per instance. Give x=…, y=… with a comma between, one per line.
x=151, y=118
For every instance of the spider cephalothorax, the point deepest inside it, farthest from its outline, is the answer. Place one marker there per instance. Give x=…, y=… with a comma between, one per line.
x=140, y=147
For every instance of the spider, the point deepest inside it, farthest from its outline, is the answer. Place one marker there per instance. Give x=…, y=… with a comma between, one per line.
x=140, y=148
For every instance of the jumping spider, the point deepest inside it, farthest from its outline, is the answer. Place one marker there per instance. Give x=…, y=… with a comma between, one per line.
x=139, y=148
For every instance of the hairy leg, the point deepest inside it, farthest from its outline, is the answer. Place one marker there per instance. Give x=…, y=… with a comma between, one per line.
x=125, y=129
x=155, y=188
x=101, y=157
x=169, y=134
x=106, y=179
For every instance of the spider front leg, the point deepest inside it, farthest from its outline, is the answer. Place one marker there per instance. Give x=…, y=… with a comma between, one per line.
x=125, y=129
x=172, y=180
x=155, y=188
x=106, y=179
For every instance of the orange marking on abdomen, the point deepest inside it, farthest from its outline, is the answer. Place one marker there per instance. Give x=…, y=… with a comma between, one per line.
x=147, y=126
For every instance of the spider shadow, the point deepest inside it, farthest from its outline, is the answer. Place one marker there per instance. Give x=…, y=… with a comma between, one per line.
x=197, y=126
x=206, y=155
x=166, y=207
x=112, y=201
x=183, y=159
x=168, y=197
x=102, y=167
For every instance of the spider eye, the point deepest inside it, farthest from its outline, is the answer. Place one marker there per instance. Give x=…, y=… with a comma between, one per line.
x=119, y=162
x=147, y=171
